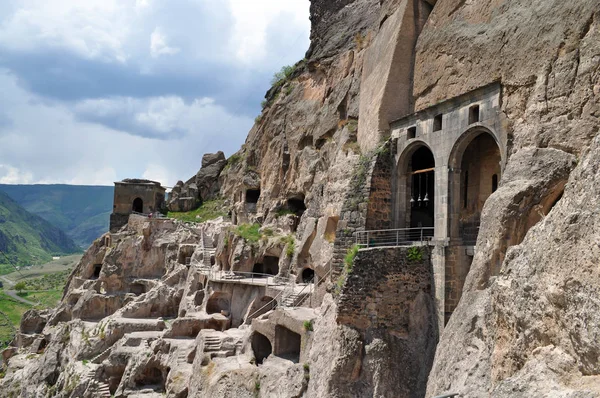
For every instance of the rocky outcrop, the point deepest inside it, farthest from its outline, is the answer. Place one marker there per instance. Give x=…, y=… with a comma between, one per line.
x=203, y=186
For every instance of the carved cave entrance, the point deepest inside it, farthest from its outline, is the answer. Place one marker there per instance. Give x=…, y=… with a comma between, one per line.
x=138, y=205
x=287, y=344
x=269, y=266
x=261, y=347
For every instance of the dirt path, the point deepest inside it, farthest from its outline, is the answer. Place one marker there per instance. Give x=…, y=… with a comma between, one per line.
x=14, y=295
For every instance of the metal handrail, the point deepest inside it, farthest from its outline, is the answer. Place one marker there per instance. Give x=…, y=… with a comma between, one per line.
x=312, y=281
x=393, y=237
x=252, y=275
x=315, y=285
x=264, y=306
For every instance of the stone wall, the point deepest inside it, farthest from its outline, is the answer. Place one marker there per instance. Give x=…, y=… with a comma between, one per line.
x=389, y=301
x=380, y=291
x=379, y=210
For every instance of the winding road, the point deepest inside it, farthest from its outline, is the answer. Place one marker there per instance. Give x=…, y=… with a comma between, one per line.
x=14, y=295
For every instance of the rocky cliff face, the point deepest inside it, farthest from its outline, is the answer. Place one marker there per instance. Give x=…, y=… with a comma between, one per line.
x=521, y=319
x=180, y=309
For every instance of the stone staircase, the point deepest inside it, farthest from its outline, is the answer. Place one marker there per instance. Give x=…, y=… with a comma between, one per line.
x=101, y=389
x=212, y=343
x=208, y=251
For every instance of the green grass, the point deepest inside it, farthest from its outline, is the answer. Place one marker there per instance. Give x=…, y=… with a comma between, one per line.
x=52, y=275
x=209, y=210
x=349, y=258
x=250, y=232
x=46, y=299
x=14, y=310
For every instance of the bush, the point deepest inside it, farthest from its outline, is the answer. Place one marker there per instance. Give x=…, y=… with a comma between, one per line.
x=308, y=326
x=20, y=286
x=284, y=74
x=414, y=253
x=349, y=259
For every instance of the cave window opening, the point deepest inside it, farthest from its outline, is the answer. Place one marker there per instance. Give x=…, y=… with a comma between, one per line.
x=308, y=275
x=437, y=122
x=296, y=206
x=218, y=303
x=287, y=344
x=261, y=346
x=138, y=205
x=137, y=289
x=411, y=132
x=97, y=270
x=474, y=114
x=494, y=183
x=252, y=196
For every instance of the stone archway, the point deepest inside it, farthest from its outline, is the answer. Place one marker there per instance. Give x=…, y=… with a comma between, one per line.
x=414, y=204
x=475, y=170
x=137, y=205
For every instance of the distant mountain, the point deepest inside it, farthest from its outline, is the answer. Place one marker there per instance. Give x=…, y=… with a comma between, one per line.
x=26, y=238
x=81, y=211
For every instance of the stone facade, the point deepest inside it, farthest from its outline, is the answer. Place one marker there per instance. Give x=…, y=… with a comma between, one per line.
x=389, y=300
x=135, y=196
x=468, y=132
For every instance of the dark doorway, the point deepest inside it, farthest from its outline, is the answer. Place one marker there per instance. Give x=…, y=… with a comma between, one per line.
x=218, y=302
x=422, y=188
x=296, y=205
x=138, y=205
x=261, y=347
x=287, y=344
x=252, y=195
x=97, y=269
x=308, y=275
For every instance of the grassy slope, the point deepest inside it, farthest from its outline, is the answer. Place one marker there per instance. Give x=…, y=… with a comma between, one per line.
x=27, y=238
x=81, y=211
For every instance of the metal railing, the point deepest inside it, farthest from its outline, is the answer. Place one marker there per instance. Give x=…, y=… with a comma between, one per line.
x=393, y=237
x=270, y=280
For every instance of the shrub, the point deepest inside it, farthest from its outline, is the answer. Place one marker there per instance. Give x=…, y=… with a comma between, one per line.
x=285, y=73
x=308, y=326
x=350, y=256
x=20, y=286
x=414, y=253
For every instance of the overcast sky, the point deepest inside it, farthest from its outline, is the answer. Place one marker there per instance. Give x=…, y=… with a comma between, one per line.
x=94, y=91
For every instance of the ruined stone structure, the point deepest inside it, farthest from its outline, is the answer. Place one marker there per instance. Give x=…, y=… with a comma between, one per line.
x=135, y=196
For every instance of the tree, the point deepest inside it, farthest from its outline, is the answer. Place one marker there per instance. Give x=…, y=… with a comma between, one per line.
x=20, y=286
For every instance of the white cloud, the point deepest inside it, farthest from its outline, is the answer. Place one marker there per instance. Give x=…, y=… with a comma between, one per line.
x=12, y=175
x=93, y=29
x=97, y=102
x=252, y=19
x=56, y=146
x=159, y=46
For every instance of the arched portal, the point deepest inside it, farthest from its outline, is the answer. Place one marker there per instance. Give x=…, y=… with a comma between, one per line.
x=475, y=162
x=474, y=172
x=261, y=346
x=415, y=203
x=138, y=205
